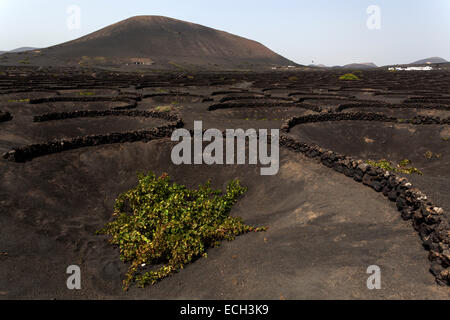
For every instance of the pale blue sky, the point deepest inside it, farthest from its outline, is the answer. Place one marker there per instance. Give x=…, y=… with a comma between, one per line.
x=328, y=32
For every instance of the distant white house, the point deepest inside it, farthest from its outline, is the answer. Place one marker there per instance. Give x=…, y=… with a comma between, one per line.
x=427, y=68
x=141, y=61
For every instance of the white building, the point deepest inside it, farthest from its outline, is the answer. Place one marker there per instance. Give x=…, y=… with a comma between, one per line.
x=427, y=68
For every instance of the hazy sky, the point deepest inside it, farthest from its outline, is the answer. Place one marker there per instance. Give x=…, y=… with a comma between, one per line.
x=330, y=32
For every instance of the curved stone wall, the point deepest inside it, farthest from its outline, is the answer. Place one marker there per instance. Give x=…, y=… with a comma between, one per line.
x=391, y=106
x=29, y=152
x=104, y=113
x=263, y=104
x=361, y=116
x=430, y=221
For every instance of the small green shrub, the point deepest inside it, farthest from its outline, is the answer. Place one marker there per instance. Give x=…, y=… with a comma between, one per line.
x=163, y=108
x=161, y=222
x=402, y=167
x=19, y=100
x=83, y=93
x=410, y=170
x=404, y=163
x=348, y=76
x=383, y=164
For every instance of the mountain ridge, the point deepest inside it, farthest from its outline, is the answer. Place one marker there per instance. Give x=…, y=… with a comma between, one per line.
x=430, y=60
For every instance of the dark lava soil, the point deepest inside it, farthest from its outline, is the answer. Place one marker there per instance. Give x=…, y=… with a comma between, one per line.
x=325, y=229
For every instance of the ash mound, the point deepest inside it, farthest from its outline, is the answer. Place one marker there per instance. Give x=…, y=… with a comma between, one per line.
x=164, y=42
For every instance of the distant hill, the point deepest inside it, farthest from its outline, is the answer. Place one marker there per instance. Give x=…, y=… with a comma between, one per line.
x=356, y=66
x=161, y=42
x=365, y=65
x=430, y=60
x=318, y=66
x=22, y=49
